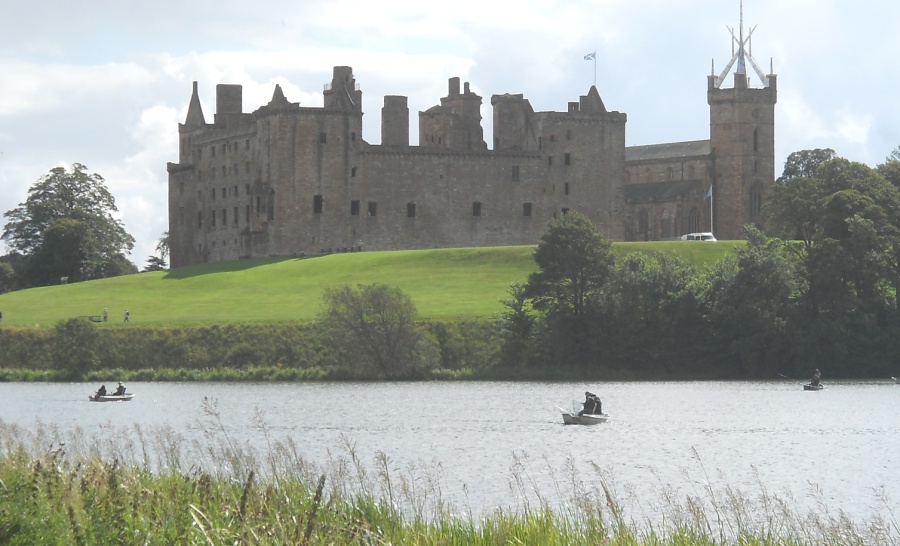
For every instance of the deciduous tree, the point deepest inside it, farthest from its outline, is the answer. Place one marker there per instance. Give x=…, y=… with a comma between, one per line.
x=374, y=325
x=74, y=206
x=574, y=261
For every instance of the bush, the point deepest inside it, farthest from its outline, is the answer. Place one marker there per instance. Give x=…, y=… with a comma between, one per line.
x=75, y=346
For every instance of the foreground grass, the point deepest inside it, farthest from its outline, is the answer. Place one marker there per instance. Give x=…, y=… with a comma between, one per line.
x=444, y=284
x=153, y=487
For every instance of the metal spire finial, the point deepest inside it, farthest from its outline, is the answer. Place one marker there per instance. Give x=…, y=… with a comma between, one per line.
x=742, y=54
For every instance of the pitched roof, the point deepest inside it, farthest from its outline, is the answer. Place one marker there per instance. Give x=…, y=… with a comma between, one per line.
x=662, y=191
x=669, y=150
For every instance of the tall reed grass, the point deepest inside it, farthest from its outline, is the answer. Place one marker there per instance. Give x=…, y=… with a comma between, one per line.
x=156, y=486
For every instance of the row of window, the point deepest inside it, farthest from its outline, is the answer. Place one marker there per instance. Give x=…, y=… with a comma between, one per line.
x=220, y=217
x=226, y=192
x=229, y=147
x=226, y=170
x=372, y=208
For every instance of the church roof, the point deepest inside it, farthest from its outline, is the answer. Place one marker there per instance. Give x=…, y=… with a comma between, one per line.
x=662, y=191
x=669, y=150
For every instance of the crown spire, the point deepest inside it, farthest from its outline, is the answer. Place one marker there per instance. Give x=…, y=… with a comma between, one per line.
x=742, y=54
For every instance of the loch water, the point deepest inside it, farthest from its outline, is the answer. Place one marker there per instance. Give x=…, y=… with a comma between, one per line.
x=489, y=445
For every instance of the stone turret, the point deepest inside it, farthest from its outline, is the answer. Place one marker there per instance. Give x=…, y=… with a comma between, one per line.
x=456, y=123
x=343, y=93
x=194, y=116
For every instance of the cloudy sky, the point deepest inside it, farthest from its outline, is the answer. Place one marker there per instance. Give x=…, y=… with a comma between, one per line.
x=105, y=82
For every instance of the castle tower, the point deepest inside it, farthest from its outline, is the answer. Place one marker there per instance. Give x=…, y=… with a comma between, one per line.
x=742, y=142
x=456, y=123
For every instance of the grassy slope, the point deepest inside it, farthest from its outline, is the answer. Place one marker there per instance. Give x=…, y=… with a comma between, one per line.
x=444, y=284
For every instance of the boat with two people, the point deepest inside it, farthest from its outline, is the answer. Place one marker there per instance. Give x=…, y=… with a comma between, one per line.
x=591, y=412
x=117, y=395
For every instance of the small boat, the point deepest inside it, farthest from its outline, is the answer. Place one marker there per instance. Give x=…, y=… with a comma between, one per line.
x=809, y=387
x=111, y=397
x=572, y=418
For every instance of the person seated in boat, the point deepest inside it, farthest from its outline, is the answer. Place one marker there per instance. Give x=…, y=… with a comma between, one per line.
x=120, y=390
x=815, y=378
x=592, y=404
x=101, y=391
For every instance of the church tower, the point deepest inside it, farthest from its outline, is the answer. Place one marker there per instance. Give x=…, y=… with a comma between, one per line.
x=742, y=141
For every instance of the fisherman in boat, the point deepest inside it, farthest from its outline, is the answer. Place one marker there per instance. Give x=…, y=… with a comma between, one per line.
x=592, y=404
x=101, y=391
x=815, y=378
x=120, y=390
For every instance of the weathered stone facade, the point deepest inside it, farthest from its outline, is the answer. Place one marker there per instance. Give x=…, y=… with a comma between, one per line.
x=287, y=180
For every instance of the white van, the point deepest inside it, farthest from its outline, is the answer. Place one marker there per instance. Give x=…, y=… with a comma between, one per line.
x=699, y=237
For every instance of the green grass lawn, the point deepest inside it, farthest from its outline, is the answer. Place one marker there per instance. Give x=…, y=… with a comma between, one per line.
x=444, y=284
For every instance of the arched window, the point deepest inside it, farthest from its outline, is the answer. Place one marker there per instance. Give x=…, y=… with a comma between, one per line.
x=694, y=221
x=665, y=225
x=644, y=225
x=755, y=201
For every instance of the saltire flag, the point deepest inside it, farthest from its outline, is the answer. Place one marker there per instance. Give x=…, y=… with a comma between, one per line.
x=708, y=194
x=590, y=56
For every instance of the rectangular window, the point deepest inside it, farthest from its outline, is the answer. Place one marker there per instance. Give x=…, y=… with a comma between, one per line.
x=476, y=208
x=354, y=208
x=247, y=189
x=549, y=160
x=224, y=217
x=214, y=194
x=568, y=158
x=212, y=215
x=410, y=210
x=247, y=144
x=526, y=209
x=352, y=172
x=247, y=213
x=199, y=219
x=515, y=173
x=246, y=167
x=234, y=193
x=235, y=220
x=373, y=208
x=322, y=138
x=224, y=193
x=317, y=204
x=566, y=188
x=213, y=148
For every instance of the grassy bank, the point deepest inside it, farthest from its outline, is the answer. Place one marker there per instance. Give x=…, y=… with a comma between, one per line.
x=444, y=284
x=138, y=486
